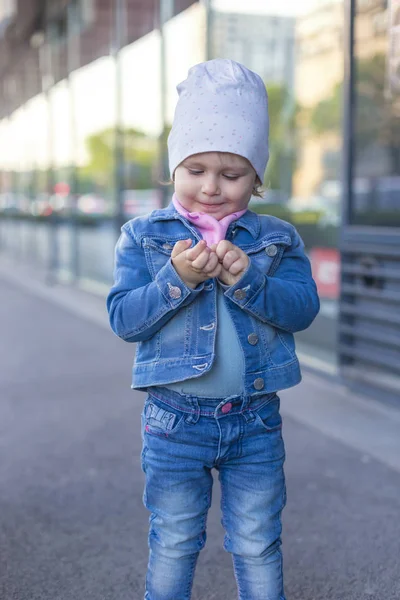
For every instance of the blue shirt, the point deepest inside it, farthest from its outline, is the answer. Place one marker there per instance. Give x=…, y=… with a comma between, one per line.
x=225, y=377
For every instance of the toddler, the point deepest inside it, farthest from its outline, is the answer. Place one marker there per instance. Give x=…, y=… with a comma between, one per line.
x=212, y=294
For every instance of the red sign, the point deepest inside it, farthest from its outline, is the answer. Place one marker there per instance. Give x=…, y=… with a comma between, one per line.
x=62, y=188
x=325, y=264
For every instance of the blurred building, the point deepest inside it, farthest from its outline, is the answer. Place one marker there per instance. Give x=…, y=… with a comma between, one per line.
x=319, y=79
x=264, y=43
x=319, y=70
x=369, y=325
x=87, y=96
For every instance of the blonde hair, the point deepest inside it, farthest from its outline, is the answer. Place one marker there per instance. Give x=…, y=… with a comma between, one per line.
x=258, y=189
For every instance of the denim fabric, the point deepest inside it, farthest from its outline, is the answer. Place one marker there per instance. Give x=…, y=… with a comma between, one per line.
x=225, y=377
x=175, y=325
x=184, y=438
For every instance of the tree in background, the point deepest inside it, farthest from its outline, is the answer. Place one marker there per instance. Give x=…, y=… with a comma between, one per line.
x=283, y=112
x=140, y=156
x=376, y=137
x=377, y=121
x=327, y=115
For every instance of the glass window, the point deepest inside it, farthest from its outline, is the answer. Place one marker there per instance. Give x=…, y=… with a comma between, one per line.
x=7, y=9
x=39, y=151
x=141, y=125
x=94, y=99
x=376, y=171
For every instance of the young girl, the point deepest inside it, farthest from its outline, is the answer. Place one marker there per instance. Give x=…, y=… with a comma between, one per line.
x=212, y=293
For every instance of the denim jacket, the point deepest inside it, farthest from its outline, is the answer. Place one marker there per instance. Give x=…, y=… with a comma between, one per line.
x=175, y=325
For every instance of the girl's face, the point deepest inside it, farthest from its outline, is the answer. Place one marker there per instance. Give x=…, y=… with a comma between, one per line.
x=216, y=183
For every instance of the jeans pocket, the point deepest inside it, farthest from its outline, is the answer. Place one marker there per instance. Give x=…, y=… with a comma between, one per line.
x=161, y=419
x=268, y=415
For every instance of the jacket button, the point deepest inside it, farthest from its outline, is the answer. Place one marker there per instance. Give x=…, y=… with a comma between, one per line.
x=239, y=294
x=253, y=339
x=226, y=408
x=271, y=250
x=174, y=292
x=167, y=246
x=259, y=383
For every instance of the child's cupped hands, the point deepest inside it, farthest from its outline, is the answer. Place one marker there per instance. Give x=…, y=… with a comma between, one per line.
x=233, y=261
x=195, y=265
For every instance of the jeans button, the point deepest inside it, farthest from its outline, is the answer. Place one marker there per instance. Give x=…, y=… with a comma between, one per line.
x=271, y=250
x=253, y=339
x=239, y=294
x=259, y=383
x=174, y=292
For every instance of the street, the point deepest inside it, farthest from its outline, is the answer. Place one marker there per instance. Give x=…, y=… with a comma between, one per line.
x=72, y=524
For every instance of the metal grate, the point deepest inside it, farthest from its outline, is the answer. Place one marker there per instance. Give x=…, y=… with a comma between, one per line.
x=369, y=322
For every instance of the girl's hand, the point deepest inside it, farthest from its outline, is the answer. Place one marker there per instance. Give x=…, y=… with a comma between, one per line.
x=233, y=260
x=195, y=265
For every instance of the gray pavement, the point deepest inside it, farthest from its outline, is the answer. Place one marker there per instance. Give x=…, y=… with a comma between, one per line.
x=72, y=524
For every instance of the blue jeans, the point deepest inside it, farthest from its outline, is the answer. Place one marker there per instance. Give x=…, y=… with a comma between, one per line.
x=184, y=438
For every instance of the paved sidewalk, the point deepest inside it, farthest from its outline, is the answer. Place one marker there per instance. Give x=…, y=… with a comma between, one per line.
x=72, y=525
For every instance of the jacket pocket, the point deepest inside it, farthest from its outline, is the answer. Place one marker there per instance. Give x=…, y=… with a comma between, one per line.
x=268, y=253
x=280, y=345
x=158, y=251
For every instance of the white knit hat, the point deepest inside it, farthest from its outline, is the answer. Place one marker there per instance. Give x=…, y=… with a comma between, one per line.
x=222, y=107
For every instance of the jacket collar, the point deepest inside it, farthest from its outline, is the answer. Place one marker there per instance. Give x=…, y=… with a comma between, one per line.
x=250, y=220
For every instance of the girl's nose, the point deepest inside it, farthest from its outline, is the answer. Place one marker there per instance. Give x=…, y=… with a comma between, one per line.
x=210, y=186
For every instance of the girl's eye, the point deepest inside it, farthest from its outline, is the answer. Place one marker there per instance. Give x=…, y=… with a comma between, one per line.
x=231, y=177
x=193, y=172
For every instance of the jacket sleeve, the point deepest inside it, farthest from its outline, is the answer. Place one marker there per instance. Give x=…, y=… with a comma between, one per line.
x=137, y=305
x=287, y=300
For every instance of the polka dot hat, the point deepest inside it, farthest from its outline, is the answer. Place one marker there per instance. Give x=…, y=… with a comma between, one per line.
x=222, y=107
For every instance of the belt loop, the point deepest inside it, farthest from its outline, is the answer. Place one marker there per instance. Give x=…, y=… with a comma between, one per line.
x=245, y=401
x=248, y=414
x=194, y=416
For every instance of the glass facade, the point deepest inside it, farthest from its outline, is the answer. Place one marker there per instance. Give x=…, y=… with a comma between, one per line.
x=87, y=109
x=376, y=169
